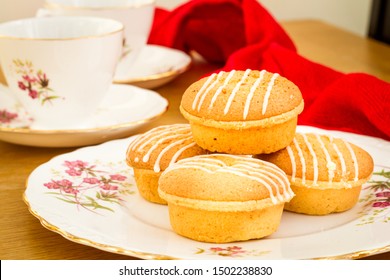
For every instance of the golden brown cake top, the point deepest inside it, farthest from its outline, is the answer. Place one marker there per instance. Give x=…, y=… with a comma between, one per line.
x=317, y=158
x=157, y=148
x=223, y=177
x=241, y=96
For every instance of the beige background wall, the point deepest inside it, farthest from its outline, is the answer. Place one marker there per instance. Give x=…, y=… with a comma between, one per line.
x=352, y=15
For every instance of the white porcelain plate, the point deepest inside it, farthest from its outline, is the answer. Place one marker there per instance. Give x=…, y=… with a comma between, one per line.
x=154, y=67
x=89, y=197
x=125, y=109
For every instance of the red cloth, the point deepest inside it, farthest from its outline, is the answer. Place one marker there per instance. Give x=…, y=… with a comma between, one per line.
x=216, y=28
x=241, y=34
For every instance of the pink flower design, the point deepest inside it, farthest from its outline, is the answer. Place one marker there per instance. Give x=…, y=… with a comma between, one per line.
x=6, y=116
x=383, y=194
x=216, y=249
x=381, y=204
x=230, y=251
x=22, y=86
x=64, y=184
x=109, y=187
x=377, y=199
x=234, y=248
x=76, y=168
x=28, y=79
x=35, y=82
x=381, y=197
x=84, y=178
x=76, y=164
x=52, y=185
x=91, y=180
x=118, y=177
x=71, y=190
x=33, y=94
x=73, y=172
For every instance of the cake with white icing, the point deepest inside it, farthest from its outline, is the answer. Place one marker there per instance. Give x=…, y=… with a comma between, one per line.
x=152, y=152
x=242, y=112
x=224, y=198
x=325, y=173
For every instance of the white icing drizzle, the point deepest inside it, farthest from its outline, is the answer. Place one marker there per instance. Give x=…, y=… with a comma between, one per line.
x=258, y=177
x=156, y=132
x=162, y=140
x=209, y=165
x=251, y=93
x=342, y=161
x=270, y=171
x=354, y=159
x=180, y=151
x=314, y=157
x=301, y=159
x=204, y=159
x=234, y=91
x=219, y=90
x=253, y=169
x=330, y=165
x=293, y=164
x=209, y=88
x=268, y=93
x=214, y=79
x=188, y=166
x=199, y=93
x=157, y=167
x=179, y=132
x=271, y=167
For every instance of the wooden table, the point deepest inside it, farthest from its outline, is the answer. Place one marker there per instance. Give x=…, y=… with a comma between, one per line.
x=21, y=234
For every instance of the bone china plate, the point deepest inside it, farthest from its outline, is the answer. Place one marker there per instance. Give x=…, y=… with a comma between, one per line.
x=105, y=211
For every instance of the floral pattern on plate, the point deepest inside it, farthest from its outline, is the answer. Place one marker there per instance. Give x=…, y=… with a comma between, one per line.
x=377, y=199
x=230, y=251
x=90, y=186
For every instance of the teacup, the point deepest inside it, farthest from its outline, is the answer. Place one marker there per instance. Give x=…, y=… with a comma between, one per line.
x=136, y=16
x=60, y=68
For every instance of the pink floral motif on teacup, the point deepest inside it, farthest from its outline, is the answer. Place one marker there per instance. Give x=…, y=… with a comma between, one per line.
x=35, y=82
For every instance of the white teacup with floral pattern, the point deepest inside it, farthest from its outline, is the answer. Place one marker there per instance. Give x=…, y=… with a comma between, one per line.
x=136, y=16
x=60, y=68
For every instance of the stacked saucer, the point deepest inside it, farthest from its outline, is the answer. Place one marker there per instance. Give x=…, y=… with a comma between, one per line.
x=124, y=109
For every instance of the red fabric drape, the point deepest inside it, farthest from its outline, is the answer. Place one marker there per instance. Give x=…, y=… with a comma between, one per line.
x=242, y=34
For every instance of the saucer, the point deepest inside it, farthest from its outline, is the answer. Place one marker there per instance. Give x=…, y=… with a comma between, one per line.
x=154, y=67
x=125, y=109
